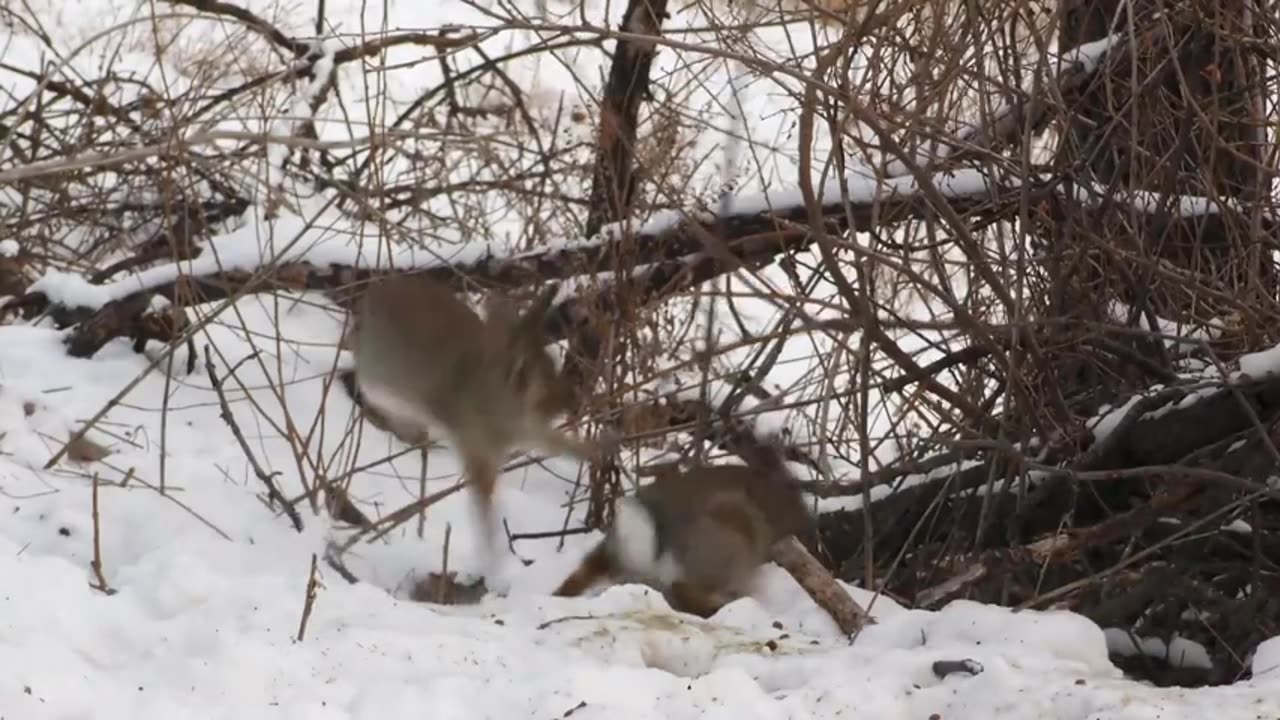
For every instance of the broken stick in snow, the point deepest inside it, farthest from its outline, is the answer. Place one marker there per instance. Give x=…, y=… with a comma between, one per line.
x=825, y=591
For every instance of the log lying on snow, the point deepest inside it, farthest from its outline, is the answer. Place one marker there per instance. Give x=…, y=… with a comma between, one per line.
x=792, y=556
x=1211, y=439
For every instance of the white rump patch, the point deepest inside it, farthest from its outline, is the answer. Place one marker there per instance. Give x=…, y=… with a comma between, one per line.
x=393, y=403
x=635, y=537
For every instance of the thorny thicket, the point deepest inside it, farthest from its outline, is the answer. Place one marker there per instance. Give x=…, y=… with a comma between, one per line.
x=944, y=365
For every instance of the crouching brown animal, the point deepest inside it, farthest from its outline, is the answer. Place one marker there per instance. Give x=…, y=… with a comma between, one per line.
x=698, y=537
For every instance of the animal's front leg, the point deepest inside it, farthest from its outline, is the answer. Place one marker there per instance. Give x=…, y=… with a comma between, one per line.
x=558, y=442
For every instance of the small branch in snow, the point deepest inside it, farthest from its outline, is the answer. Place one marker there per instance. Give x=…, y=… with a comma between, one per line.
x=444, y=551
x=101, y=580
x=547, y=534
x=268, y=479
x=563, y=619
x=309, y=600
x=825, y=591
x=936, y=595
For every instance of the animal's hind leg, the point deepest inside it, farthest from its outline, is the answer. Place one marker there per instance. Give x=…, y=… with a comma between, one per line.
x=688, y=597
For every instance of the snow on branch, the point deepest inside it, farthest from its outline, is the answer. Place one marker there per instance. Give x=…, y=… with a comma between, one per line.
x=300, y=48
x=1149, y=202
x=860, y=191
x=668, y=253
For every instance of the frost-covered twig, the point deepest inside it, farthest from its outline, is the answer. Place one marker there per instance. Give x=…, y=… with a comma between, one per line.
x=96, y=563
x=309, y=599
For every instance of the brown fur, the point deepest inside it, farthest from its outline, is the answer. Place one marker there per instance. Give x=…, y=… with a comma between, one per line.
x=595, y=566
x=490, y=385
x=719, y=522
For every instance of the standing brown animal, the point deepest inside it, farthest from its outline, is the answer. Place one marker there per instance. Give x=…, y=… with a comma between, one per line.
x=423, y=358
x=698, y=537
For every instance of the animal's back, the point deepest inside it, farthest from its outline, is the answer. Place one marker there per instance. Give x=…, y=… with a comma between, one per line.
x=778, y=499
x=417, y=346
x=716, y=522
x=720, y=521
x=416, y=314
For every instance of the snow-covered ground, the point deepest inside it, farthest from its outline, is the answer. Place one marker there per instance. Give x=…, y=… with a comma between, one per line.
x=208, y=583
